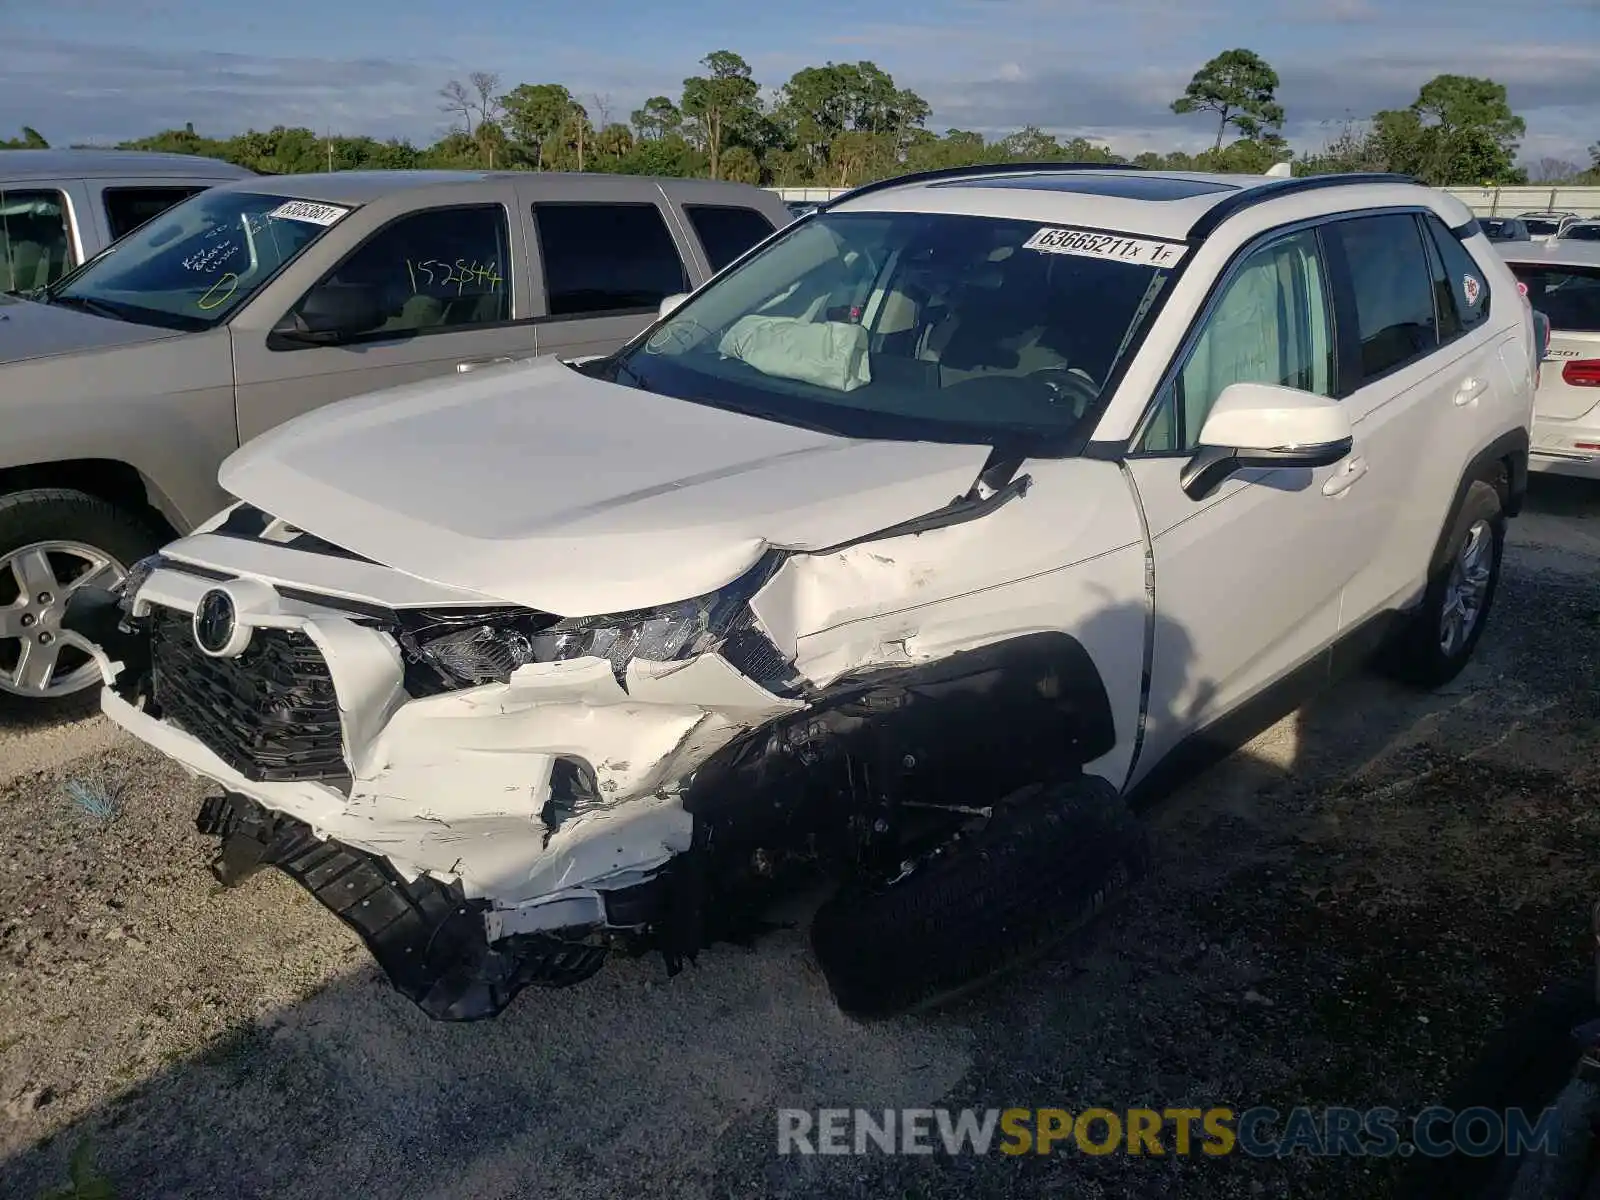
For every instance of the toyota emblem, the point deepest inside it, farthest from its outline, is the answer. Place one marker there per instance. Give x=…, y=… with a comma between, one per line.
x=216, y=626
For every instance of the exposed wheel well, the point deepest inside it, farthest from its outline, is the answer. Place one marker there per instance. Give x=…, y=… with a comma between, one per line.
x=112, y=481
x=1498, y=474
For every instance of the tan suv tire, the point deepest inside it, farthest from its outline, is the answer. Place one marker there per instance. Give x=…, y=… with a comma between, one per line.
x=52, y=542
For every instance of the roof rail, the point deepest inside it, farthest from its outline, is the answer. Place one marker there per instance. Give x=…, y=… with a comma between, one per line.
x=975, y=172
x=1235, y=203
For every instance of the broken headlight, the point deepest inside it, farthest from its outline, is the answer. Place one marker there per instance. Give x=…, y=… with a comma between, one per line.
x=466, y=649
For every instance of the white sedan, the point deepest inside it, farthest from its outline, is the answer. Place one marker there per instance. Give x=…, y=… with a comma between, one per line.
x=1563, y=282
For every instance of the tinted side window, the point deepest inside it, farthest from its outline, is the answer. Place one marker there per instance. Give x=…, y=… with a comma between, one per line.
x=726, y=232
x=606, y=258
x=1393, y=290
x=442, y=268
x=1463, y=292
x=35, y=239
x=130, y=207
x=1270, y=325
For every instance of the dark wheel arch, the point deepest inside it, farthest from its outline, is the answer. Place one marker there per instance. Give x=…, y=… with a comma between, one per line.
x=1504, y=464
x=982, y=721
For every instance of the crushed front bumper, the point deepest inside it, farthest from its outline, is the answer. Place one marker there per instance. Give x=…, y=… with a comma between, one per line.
x=491, y=837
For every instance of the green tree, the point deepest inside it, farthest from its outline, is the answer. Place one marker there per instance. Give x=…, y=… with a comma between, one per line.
x=818, y=104
x=1246, y=156
x=740, y=164
x=658, y=118
x=671, y=156
x=31, y=139
x=720, y=103
x=537, y=113
x=957, y=148
x=1241, y=89
x=613, y=142
x=1032, y=144
x=1459, y=130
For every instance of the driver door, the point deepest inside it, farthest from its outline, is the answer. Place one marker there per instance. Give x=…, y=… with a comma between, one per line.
x=451, y=293
x=1247, y=579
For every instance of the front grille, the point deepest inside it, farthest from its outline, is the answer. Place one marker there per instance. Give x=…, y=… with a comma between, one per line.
x=271, y=713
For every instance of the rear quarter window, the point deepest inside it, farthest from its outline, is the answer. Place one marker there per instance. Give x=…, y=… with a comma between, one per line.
x=1462, y=293
x=727, y=231
x=1569, y=296
x=127, y=208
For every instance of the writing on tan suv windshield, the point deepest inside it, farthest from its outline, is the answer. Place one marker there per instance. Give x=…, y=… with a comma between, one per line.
x=199, y=261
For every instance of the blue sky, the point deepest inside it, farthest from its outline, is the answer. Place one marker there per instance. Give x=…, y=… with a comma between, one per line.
x=83, y=70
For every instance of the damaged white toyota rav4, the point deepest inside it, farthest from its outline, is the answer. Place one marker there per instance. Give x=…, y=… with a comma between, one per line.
x=902, y=552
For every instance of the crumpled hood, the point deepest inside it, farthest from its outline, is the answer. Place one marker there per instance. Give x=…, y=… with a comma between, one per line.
x=29, y=330
x=546, y=488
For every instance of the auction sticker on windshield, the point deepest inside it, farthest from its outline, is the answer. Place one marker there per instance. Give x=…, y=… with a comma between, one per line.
x=1088, y=244
x=306, y=210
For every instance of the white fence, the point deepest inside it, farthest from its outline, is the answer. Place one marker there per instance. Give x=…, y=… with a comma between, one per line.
x=1503, y=202
x=1486, y=202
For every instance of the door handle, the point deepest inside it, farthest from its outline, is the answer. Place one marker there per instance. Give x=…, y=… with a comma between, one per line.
x=474, y=364
x=1470, y=390
x=1353, y=469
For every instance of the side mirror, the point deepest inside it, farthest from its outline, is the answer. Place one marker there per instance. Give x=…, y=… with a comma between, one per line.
x=670, y=304
x=1262, y=425
x=332, y=313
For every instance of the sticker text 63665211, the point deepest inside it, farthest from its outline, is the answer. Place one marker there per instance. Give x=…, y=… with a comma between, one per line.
x=308, y=210
x=1088, y=244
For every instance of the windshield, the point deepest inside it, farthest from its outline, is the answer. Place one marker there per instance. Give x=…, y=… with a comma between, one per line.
x=1540, y=227
x=924, y=326
x=193, y=265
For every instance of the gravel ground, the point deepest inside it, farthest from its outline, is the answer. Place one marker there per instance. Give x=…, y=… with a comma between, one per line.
x=1340, y=914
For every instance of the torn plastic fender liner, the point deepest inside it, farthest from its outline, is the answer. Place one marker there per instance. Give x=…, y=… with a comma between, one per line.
x=96, y=615
x=965, y=729
x=429, y=940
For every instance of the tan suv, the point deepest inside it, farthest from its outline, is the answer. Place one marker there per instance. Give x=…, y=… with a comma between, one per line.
x=125, y=384
x=60, y=207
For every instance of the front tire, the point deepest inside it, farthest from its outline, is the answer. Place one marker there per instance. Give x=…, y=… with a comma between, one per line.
x=54, y=541
x=1438, y=639
x=1042, y=867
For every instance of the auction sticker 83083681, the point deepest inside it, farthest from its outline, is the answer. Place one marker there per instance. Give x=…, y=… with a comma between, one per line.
x=1087, y=243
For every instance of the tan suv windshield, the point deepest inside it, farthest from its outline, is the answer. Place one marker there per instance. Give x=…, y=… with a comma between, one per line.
x=197, y=262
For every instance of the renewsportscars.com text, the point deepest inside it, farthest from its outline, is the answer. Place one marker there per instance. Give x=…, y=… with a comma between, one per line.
x=1259, y=1132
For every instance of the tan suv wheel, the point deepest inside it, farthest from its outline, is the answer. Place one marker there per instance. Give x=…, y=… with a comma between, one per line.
x=52, y=543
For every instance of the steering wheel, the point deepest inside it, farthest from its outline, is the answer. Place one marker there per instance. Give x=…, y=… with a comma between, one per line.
x=1069, y=386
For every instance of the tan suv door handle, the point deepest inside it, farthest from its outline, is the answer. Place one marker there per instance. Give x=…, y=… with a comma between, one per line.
x=474, y=364
x=1340, y=482
x=1471, y=389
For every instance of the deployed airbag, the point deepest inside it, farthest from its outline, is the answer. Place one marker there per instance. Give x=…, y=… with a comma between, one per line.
x=830, y=354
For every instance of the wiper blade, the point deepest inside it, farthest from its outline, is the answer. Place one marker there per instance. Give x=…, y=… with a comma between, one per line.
x=90, y=305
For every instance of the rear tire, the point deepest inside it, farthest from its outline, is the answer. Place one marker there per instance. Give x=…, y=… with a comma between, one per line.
x=1460, y=593
x=54, y=537
x=1043, y=866
x=1525, y=1065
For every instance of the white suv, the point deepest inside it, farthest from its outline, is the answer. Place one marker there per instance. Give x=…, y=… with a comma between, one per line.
x=905, y=549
